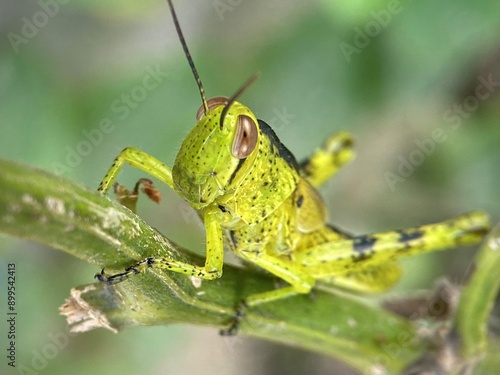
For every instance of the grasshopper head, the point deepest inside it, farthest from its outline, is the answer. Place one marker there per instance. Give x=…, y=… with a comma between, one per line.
x=212, y=151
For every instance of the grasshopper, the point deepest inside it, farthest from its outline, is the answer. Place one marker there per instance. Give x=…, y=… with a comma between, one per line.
x=256, y=200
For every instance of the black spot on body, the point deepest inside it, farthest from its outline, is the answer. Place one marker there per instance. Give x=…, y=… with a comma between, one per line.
x=363, y=244
x=300, y=201
x=409, y=236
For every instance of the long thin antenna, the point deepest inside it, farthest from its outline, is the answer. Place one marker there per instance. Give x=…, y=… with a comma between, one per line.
x=235, y=96
x=188, y=56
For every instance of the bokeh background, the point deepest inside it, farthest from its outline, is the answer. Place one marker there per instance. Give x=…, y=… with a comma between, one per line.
x=388, y=72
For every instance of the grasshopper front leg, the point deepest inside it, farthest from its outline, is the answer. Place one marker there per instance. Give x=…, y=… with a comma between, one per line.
x=214, y=242
x=140, y=160
x=210, y=271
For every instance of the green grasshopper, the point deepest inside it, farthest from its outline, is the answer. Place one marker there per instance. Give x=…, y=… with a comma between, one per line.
x=256, y=200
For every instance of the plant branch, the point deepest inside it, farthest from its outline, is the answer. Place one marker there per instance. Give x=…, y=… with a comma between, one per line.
x=478, y=297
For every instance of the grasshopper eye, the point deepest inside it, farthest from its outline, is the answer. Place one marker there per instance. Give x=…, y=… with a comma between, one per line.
x=246, y=137
x=212, y=104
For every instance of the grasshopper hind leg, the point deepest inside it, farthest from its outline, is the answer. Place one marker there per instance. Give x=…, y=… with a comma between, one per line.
x=372, y=279
x=376, y=253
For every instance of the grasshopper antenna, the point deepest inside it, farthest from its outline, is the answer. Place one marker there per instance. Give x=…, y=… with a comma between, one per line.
x=235, y=96
x=188, y=56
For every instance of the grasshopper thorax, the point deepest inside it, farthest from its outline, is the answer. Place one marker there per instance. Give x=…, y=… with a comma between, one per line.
x=209, y=156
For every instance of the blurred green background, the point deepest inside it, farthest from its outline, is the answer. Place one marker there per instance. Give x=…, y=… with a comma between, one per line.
x=388, y=72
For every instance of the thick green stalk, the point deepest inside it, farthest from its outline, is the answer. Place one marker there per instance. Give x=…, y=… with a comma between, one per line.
x=478, y=298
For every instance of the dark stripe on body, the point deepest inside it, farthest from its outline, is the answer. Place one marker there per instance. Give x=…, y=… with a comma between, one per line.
x=300, y=201
x=238, y=167
x=284, y=153
x=232, y=236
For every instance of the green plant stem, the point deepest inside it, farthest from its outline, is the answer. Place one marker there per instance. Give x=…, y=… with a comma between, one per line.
x=478, y=297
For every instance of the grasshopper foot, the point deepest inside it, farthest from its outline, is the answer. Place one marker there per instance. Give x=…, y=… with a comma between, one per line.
x=102, y=277
x=116, y=278
x=232, y=330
